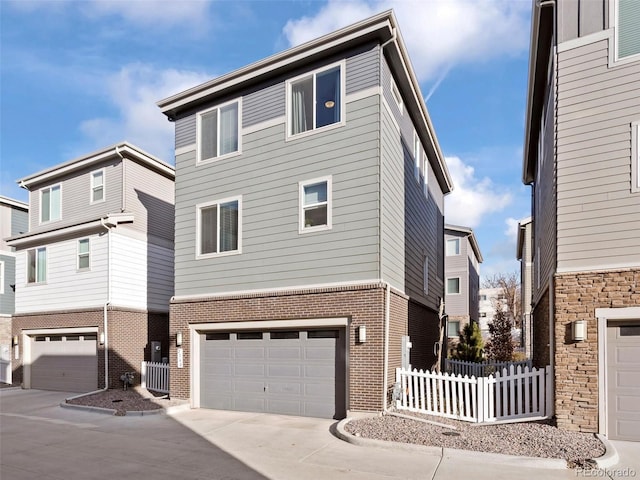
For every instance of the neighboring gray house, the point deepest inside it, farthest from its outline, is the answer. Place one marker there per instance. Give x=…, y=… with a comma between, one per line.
x=94, y=271
x=581, y=157
x=524, y=253
x=14, y=217
x=309, y=228
x=462, y=278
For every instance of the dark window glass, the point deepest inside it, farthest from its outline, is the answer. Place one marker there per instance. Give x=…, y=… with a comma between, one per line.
x=73, y=338
x=90, y=337
x=217, y=336
x=322, y=334
x=630, y=331
x=284, y=335
x=249, y=335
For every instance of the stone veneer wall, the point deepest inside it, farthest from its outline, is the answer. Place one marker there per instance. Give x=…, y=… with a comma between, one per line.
x=577, y=296
x=362, y=304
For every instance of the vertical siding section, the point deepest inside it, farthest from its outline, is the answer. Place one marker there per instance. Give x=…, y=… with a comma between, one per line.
x=76, y=195
x=263, y=104
x=577, y=18
x=598, y=214
x=185, y=129
x=19, y=221
x=66, y=288
x=150, y=197
x=141, y=274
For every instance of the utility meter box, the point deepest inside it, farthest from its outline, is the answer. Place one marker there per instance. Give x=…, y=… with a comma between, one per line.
x=156, y=352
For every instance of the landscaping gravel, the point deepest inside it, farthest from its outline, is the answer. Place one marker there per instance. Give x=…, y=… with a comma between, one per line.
x=530, y=439
x=123, y=401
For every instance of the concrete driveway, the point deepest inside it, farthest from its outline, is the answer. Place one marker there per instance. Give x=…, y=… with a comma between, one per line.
x=41, y=440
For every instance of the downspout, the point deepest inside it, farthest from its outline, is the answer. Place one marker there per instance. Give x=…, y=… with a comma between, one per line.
x=385, y=373
x=105, y=313
x=124, y=181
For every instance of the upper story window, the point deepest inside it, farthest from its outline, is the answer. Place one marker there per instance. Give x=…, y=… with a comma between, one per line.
x=453, y=328
x=219, y=227
x=396, y=95
x=453, y=247
x=1, y=277
x=315, y=100
x=425, y=170
x=218, y=131
x=315, y=205
x=37, y=265
x=425, y=276
x=627, y=28
x=416, y=156
x=97, y=186
x=83, y=254
x=635, y=156
x=453, y=286
x=50, y=204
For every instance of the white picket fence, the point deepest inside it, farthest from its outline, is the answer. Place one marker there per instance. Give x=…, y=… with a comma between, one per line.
x=480, y=369
x=512, y=394
x=155, y=376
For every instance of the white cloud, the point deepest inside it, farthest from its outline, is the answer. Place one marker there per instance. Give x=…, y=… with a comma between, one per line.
x=472, y=198
x=512, y=229
x=439, y=34
x=134, y=91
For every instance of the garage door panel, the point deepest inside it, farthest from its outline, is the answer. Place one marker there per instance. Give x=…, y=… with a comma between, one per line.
x=627, y=355
x=627, y=379
x=64, y=365
x=285, y=372
x=628, y=428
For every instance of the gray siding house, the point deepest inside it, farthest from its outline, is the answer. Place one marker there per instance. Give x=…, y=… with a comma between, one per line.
x=581, y=157
x=309, y=224
x=94, y=270
x=14, y=216
x=462, y=278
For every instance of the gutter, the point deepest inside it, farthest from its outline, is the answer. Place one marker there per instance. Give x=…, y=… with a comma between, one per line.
x=385, y=374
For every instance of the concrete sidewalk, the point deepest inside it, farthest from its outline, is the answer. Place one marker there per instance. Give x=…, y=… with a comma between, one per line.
x=42, y=440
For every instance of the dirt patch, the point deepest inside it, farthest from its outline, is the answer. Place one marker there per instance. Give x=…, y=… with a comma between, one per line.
x=131, y=400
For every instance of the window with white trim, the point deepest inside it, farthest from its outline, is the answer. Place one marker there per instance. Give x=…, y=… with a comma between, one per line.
x=1, y=277
x=315, y=205
x=425, y=276
x=395, y=93
x=84, y=260
x=315, y=100
x=627, y=18
x=453, y=286
x=50, y=199
x=453, y=247
x=219, y=227
x=425, y=170
x=416, y=156
x=218, y=131
x=37, y=265
x=453, y=328
x=97, y=186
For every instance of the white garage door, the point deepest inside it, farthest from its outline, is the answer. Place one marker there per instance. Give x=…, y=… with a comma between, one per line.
x=292, y=372
x=623, y=380
x=68, y=363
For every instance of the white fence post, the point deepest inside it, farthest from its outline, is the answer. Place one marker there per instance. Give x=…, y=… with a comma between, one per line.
x=143, y=375
x=155, y=376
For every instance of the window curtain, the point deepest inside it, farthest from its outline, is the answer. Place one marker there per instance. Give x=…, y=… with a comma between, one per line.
x=41, y=265
x=301, y=106
x=229, y=226
x=209, y=135
x=229, y=129
x=208, y=230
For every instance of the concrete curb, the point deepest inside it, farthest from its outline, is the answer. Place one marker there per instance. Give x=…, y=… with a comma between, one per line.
x=610, y=457
x=529, y=462
x=87, y=408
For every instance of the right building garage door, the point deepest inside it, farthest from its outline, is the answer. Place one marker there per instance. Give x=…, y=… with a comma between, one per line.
x=623, y=380
x=292, y=372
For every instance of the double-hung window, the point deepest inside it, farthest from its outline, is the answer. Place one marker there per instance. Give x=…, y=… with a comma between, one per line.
x=315, y=205
x=453, y=247
x=453, y=286
x=627, y=18
x=396, y=95
x=97, y=186
x=425, y=170
x=50, y=204
x=218, y=131
x=635, y=156
x=315, y=100
x=219, y=225
x=83, y=254
x=37, y=265
x=453, y=328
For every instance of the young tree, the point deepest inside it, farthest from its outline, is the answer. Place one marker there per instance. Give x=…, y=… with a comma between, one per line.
x=509, y=285
x=500, y=345
x=470, y=344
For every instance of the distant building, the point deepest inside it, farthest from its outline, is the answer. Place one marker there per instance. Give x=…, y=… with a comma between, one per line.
x=462, y=277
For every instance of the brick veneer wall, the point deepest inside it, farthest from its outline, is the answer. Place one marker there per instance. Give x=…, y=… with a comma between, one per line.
x=540, y=316
x=5, y=331
x=363, y=305
x=398, y=326
x=130, y=333
x=577, y=296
